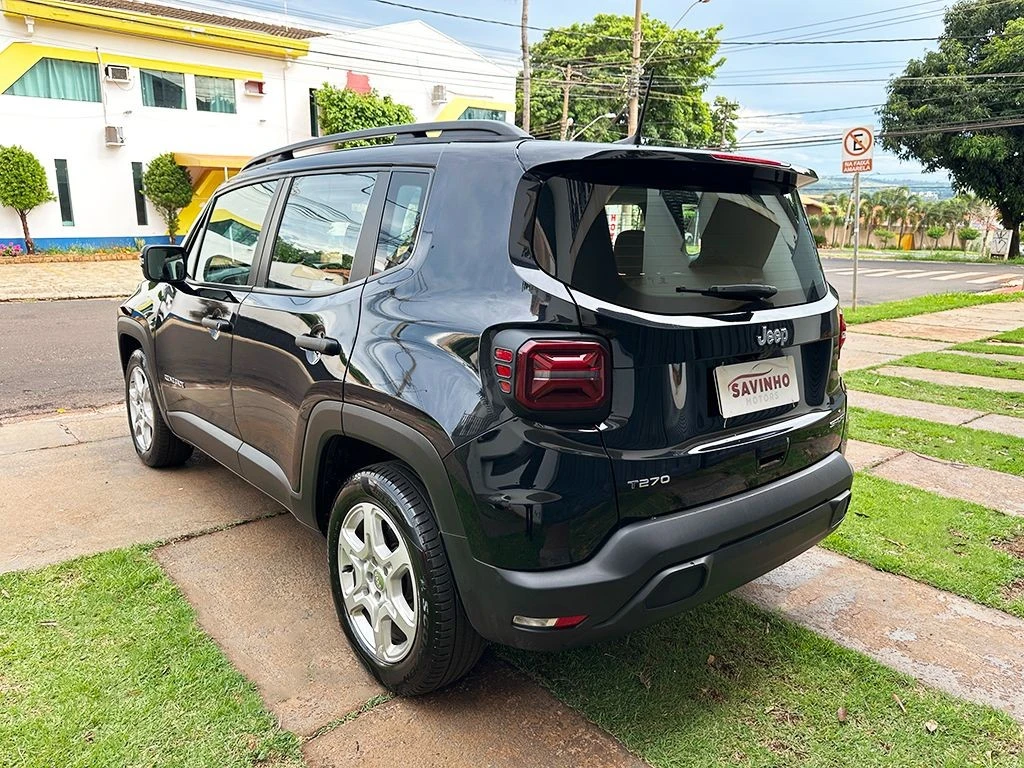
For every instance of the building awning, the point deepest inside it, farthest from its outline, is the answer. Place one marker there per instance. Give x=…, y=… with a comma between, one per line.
x=193, y=160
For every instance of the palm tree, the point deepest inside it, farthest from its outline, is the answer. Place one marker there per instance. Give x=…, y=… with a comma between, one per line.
x=840, y=205
x=954, y=211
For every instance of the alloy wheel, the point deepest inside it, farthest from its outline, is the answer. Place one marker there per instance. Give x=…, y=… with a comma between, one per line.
x=140, y=408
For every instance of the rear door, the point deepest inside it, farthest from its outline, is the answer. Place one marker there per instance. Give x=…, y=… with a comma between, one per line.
x=711, y=395
x=295, y=332
x=194, y=338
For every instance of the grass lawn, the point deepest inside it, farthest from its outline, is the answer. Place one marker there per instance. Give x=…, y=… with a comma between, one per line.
x=102, y=664
x=890, y=310
x=868, y=380
x=993, y=450
x=976, y=366
x=1014, y=337
x=728, y=684
x=950, y=544
x=946, y=254
x=988, y=348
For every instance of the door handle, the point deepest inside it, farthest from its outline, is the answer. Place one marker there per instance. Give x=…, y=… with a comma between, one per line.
x=321, y=344
x=216, y=324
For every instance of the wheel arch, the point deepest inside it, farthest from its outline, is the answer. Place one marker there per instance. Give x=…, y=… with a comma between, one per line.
x=341, y=439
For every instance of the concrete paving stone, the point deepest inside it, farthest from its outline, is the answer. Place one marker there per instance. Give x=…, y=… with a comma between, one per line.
x=987, y=487
x=261, y=591
x=495, y=717
x=1013, y=359
x=994, y=422
x=865, y=455
x=102, y=424
x=81, y=499
x=969, y=317
x=970, y=651
x=32, y=436
x=918, y=409
x=73, y=280
x=951, y=379
x=889, y=345
x=909, y=328
x=852, y=359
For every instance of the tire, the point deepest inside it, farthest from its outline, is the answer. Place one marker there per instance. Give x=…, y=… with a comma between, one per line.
x=409, y=574
x=154, y=442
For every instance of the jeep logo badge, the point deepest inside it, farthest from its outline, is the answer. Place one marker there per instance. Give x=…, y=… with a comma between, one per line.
x=772, y=336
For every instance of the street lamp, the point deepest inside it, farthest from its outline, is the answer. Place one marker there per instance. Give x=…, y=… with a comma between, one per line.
x=755, y=130
x=605, y=116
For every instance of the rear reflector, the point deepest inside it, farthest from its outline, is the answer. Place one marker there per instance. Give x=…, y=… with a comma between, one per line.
x=562, y=622
x=842, y=330
x=503, y=355
x=560, y=375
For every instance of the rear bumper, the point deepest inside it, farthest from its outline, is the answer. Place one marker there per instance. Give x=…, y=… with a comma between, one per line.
x=647, y=570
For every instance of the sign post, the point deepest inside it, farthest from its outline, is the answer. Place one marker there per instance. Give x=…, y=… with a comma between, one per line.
x=858, y=155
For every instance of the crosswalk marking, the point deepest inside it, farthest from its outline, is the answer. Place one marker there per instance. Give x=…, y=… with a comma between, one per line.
x=930, y=275
x=882, y=272
x=993, y=278
x=961, y=275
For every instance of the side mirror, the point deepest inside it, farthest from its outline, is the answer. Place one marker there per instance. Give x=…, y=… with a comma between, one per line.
x=163, y=263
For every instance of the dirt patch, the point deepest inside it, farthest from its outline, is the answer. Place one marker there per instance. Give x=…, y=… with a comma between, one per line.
x=1014, y=546
x=1014, y=591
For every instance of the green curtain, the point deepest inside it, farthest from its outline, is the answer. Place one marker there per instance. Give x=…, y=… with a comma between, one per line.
x=163, y=89
x=215, y=94
x=59, y=79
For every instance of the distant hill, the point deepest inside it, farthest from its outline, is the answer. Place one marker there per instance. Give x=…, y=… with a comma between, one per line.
x=936, y=186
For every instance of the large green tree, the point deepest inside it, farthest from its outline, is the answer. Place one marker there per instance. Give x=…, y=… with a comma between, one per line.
x=940, y=111
x=599, y=53
x=23, y=186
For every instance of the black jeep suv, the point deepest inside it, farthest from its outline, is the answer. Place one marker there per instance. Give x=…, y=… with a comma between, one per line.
x=537, y=393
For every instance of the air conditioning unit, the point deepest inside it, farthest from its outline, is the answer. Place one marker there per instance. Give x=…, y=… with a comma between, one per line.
x=117, y=73
x=439, y=94
x=113, y=135
x=255, y=88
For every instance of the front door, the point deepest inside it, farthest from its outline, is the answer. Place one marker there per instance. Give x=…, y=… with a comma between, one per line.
x=194, y=338
x=294, y=333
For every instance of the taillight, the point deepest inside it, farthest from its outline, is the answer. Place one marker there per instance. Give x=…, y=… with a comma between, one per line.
x=560, y=375
x=842, y=331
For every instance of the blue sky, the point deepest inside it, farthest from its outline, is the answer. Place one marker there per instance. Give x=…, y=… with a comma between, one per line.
x=760, y=79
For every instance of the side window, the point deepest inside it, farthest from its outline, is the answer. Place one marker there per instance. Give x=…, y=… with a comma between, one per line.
x=319, y=231
x=401, y=223
x=228, y=243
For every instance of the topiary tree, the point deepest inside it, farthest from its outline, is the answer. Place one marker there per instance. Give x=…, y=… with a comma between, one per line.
x=885, y=235
x=168, y=187
x=966, y=235
x=935, y=233
x=23, y=186
x=341, y=109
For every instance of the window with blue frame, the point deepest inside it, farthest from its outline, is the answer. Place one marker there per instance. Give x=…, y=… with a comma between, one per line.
x=479, y=113
x=215, y=94
x=162, y=89
x=59, y=79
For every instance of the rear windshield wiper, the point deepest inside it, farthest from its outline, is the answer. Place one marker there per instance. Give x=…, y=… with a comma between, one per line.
x=741, y=291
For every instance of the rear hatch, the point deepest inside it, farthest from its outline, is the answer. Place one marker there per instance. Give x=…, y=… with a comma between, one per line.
x=701, y=273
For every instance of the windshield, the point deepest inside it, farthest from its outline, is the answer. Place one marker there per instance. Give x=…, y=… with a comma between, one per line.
x=653, y=248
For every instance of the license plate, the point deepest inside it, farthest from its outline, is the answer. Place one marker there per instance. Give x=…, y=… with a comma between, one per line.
x=757, y=386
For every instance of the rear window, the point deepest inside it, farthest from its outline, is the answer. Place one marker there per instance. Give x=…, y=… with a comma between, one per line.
x=634, y=243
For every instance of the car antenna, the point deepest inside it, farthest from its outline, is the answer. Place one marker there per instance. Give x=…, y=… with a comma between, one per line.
x=637, y=138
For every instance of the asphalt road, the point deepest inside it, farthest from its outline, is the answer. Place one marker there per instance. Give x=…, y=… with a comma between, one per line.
x=879, y=281
x=62, y=354
x=58, y=354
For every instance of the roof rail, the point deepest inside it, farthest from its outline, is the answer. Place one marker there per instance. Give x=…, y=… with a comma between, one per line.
x=451, y=130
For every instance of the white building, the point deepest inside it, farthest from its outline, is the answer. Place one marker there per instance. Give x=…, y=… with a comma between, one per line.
x=97, y=88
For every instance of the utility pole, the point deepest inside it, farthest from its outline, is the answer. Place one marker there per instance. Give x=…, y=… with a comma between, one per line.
x=563, y=130
x=634, y=74
x=526, y=64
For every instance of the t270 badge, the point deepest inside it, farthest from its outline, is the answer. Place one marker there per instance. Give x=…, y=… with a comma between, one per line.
x=648, y=482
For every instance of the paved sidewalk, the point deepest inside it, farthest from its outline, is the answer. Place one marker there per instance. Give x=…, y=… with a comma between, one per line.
x=950, y=643
x=953, y=379
x=72, y=280
x=261, y=592
x=941, y=414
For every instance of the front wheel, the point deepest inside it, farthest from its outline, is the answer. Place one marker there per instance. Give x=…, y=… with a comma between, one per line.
x=154, y=442
x=392, y=583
